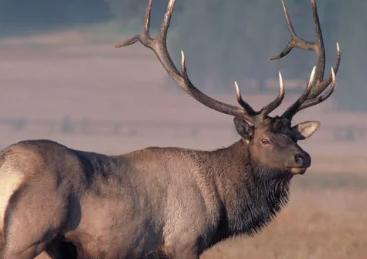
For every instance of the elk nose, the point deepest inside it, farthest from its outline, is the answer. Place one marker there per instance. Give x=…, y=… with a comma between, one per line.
x=302, y=160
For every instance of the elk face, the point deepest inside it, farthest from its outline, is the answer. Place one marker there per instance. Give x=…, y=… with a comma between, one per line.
x=272, y=143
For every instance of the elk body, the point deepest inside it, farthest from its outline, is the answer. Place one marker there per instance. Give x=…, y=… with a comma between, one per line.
x=159, y=202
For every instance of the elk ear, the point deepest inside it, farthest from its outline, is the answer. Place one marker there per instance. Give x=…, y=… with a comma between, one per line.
x=305, y=129
x=243, y=128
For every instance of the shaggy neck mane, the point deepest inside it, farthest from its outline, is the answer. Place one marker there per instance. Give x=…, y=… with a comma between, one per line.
x=268, y=193
x=251, y=194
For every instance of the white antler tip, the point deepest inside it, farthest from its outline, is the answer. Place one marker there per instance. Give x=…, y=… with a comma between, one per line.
x=171, y=3
x=338, y=46
x=238, y=91
x=280, y=78
x=313, y=73
x=333, y=76
x=281, y=82
x=283, y=4
x=183, y=60
x=314, y=70
x=236, y=85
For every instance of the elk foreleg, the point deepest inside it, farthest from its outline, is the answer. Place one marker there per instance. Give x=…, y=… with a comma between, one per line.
x=33, y=219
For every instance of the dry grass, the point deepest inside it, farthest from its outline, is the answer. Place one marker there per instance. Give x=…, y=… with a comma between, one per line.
x=320, y=222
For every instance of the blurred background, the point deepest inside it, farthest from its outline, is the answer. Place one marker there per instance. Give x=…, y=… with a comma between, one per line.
x=62, y=79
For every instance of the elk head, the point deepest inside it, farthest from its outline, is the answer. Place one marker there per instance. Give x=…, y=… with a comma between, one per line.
x=271, y=141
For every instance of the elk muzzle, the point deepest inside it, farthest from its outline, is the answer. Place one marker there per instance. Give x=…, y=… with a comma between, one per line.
x=302, y=161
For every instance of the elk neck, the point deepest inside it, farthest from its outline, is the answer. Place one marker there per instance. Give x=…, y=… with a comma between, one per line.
x=250, y=194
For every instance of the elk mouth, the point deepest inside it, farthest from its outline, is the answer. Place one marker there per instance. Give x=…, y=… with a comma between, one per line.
x=297, y=170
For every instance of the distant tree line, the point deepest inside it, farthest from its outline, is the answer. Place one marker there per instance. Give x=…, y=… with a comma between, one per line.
x=27, y=17
x=233, y=40
x=223, y=40
x=230, y=41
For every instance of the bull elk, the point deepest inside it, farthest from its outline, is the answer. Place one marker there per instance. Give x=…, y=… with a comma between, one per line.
x=160, y=202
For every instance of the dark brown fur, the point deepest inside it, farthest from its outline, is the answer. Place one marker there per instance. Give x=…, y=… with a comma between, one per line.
x=158, y=199
x=159, y=202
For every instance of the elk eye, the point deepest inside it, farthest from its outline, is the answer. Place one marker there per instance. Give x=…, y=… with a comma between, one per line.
x=265, y=141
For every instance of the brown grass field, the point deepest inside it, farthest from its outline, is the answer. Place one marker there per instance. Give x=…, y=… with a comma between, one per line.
x=326, y=220
x=93, y=97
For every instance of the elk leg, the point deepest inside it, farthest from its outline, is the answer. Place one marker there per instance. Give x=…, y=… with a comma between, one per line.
x=34, y=217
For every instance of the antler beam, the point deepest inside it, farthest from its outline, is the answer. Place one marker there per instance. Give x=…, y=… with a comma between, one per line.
x=159, y=46
x=318, y=85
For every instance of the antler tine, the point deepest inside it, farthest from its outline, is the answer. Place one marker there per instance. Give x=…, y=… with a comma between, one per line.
x=319, y=47
x=324, y=84
x=144, y=38
x=277, y=101
x=319, y=85
x=295, y=41
x=159, y=47
x=167, y=20
x=321, y=98
x=289, y=113
x=188, y=87
x=243, y=104
x=148, y=13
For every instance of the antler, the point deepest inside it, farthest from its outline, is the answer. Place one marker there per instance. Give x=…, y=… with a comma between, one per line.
x=268, y=108
x=317, y=85
x=159, y=46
